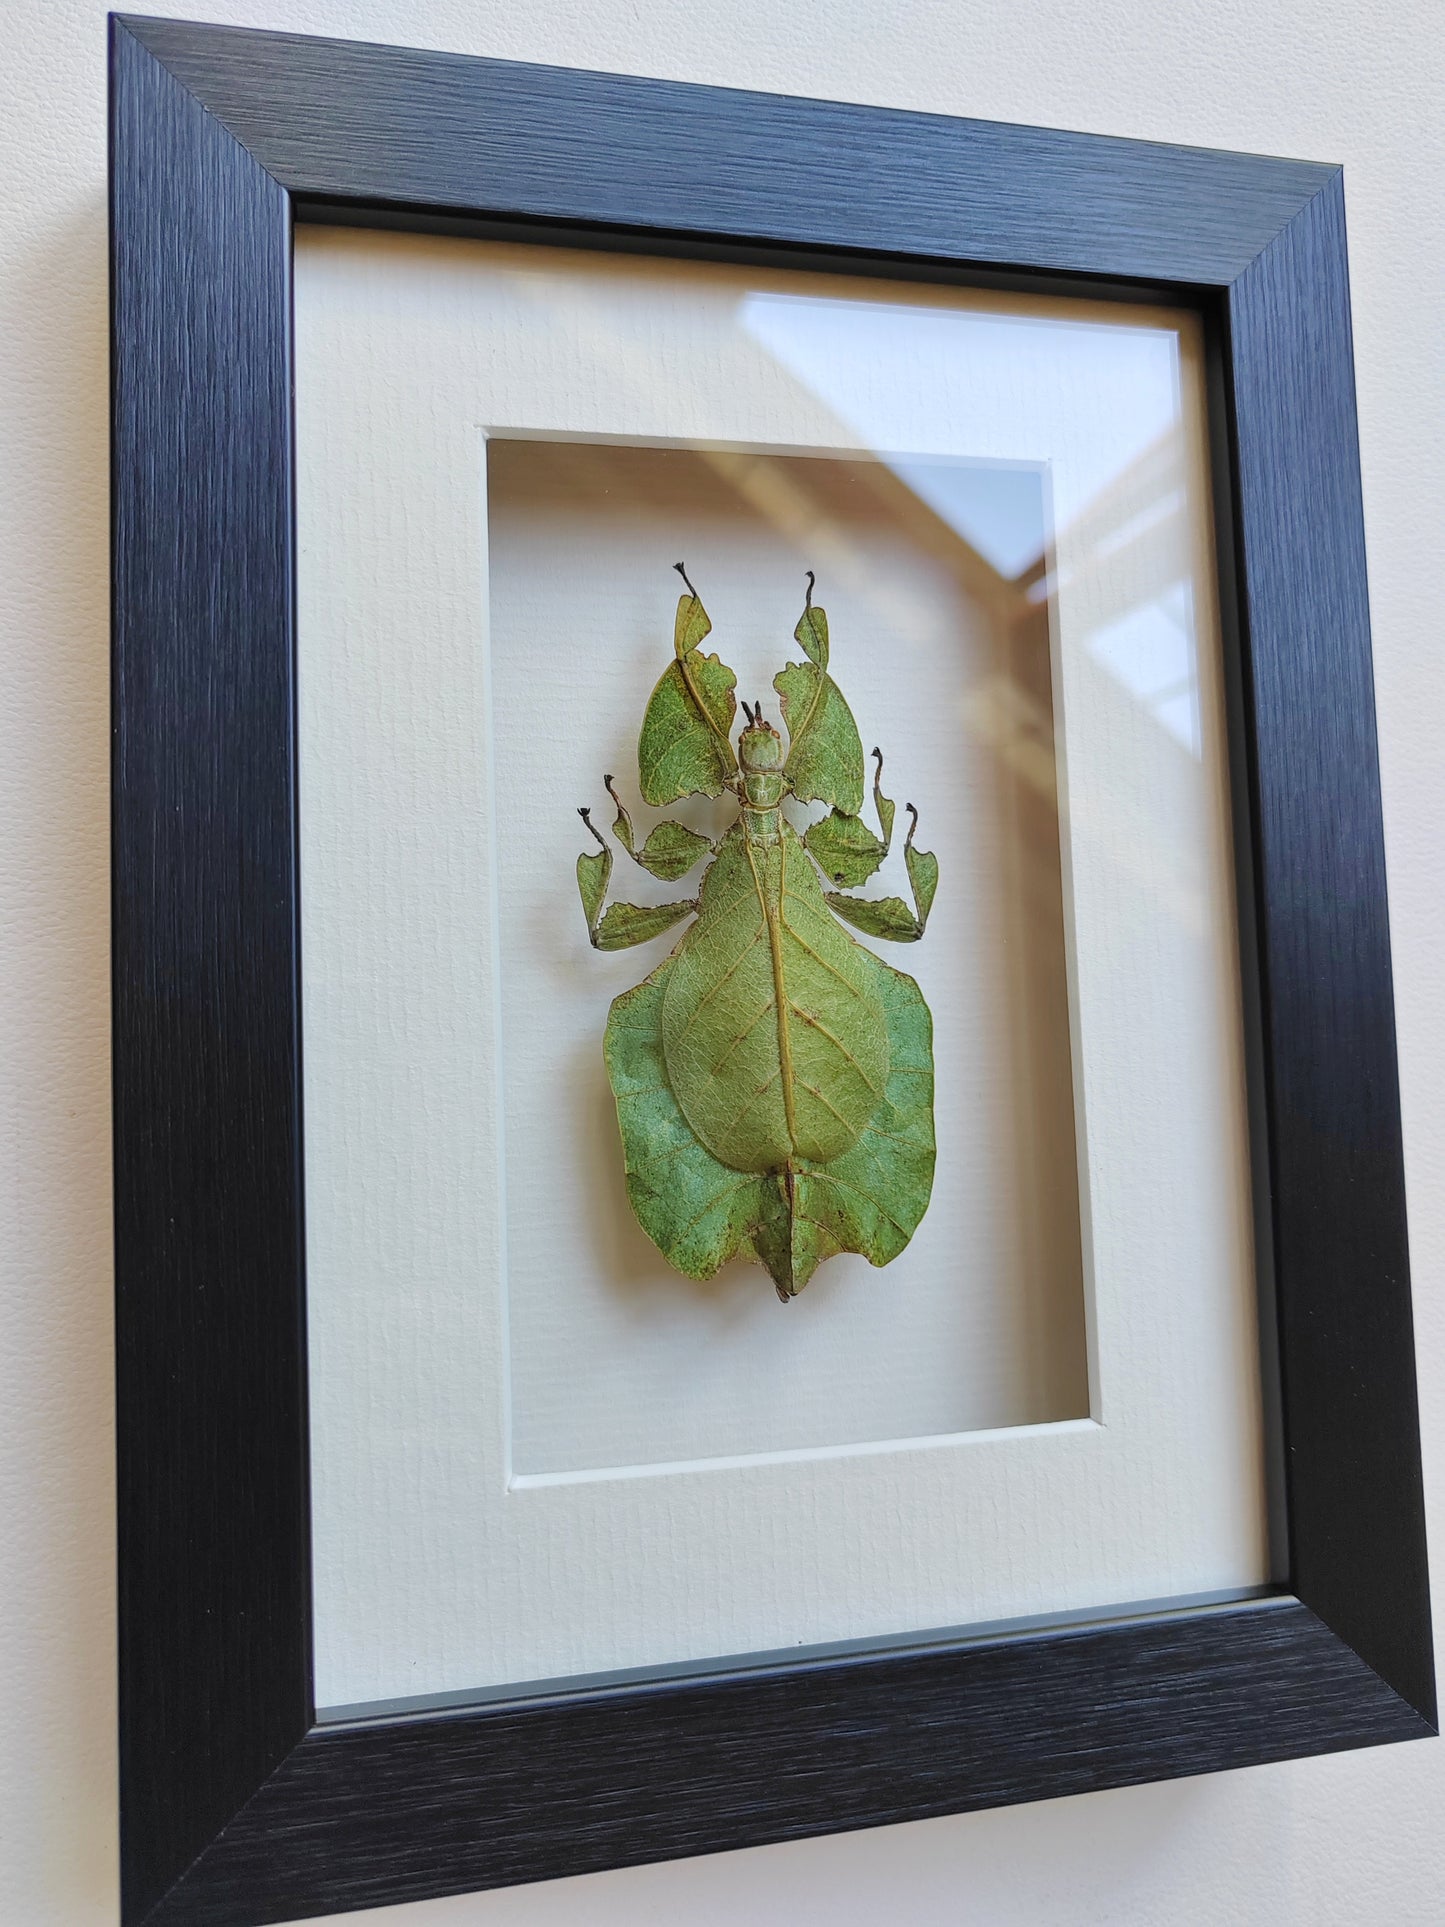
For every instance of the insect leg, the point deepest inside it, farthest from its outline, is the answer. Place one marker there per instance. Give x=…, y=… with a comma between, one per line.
x=623, y=924
x=881, y=803
x=671, y=848
x=890, y=917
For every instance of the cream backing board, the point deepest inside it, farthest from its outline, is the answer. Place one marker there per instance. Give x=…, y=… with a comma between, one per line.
x=535, y=1453
x=614, y=1360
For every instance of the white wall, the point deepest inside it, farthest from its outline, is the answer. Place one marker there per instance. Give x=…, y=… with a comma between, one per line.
x=1356, y=1838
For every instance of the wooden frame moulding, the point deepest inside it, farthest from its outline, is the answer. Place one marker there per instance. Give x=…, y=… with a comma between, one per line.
x=237, y=1807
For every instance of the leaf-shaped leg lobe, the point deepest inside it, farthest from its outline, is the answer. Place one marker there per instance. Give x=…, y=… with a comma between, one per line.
x=685, y=747
x=624, y=924
x=825, y=753
x=890, y=917
x=671, y=849
x=700, y=1213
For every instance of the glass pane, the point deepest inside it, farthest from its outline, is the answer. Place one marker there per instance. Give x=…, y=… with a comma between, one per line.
x=539, y=1451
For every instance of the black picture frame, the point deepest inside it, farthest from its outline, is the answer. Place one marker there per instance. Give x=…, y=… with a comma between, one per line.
x=236, y=1806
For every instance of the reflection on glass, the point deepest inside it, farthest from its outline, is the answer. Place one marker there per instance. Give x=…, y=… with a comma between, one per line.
x=1119, y=503
x=1006, y=502
x=969, y=484
x=1150, y=650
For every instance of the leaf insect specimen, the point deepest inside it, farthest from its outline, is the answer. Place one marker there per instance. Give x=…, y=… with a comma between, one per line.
x=774, y=1078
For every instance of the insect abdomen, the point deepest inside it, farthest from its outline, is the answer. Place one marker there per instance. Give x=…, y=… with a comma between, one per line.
x=774, y=1040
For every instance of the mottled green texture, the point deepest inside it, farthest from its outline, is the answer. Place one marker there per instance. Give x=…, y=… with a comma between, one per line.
x=684, y=749
x=625, y=924
x=700, y=1212
x=770, y=1055
x=825, y=753
x=890, y=916
x=774, y=1079
x=844, y=848
x=671, y=849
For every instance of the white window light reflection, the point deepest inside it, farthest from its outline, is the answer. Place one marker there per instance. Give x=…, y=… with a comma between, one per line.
x=1151, y=651
x=897, y=377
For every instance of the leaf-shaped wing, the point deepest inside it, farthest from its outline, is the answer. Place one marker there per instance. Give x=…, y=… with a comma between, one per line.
x=697, y=1211
x=772, y=1038
x=845, y=849
x=872, y=1199
x=684, y=748
x=700, y=1213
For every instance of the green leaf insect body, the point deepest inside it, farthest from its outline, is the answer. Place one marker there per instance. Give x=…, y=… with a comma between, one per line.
x=774, y=1078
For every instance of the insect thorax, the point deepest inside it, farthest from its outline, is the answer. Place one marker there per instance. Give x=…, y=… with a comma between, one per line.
x=760, y=757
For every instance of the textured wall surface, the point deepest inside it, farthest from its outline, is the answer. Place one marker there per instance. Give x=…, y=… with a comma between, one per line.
x=1350, y=1839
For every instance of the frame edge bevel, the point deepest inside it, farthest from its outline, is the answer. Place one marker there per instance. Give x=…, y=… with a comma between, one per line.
x=1341, y=1258
x=213, y=1523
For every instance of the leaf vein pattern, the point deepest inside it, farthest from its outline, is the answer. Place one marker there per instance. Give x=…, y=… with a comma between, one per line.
x=667, y=1155
x=713, y=989
x=816, y=1023
x=813, y=1091
x=831, y=969
x=895, y=1137
x=831, y=1177
x=761, y=1091
x=714, y=1203
x=742, y=1037
x=717, y=912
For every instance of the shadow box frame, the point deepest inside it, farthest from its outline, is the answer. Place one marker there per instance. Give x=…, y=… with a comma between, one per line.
x=236, y=1805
